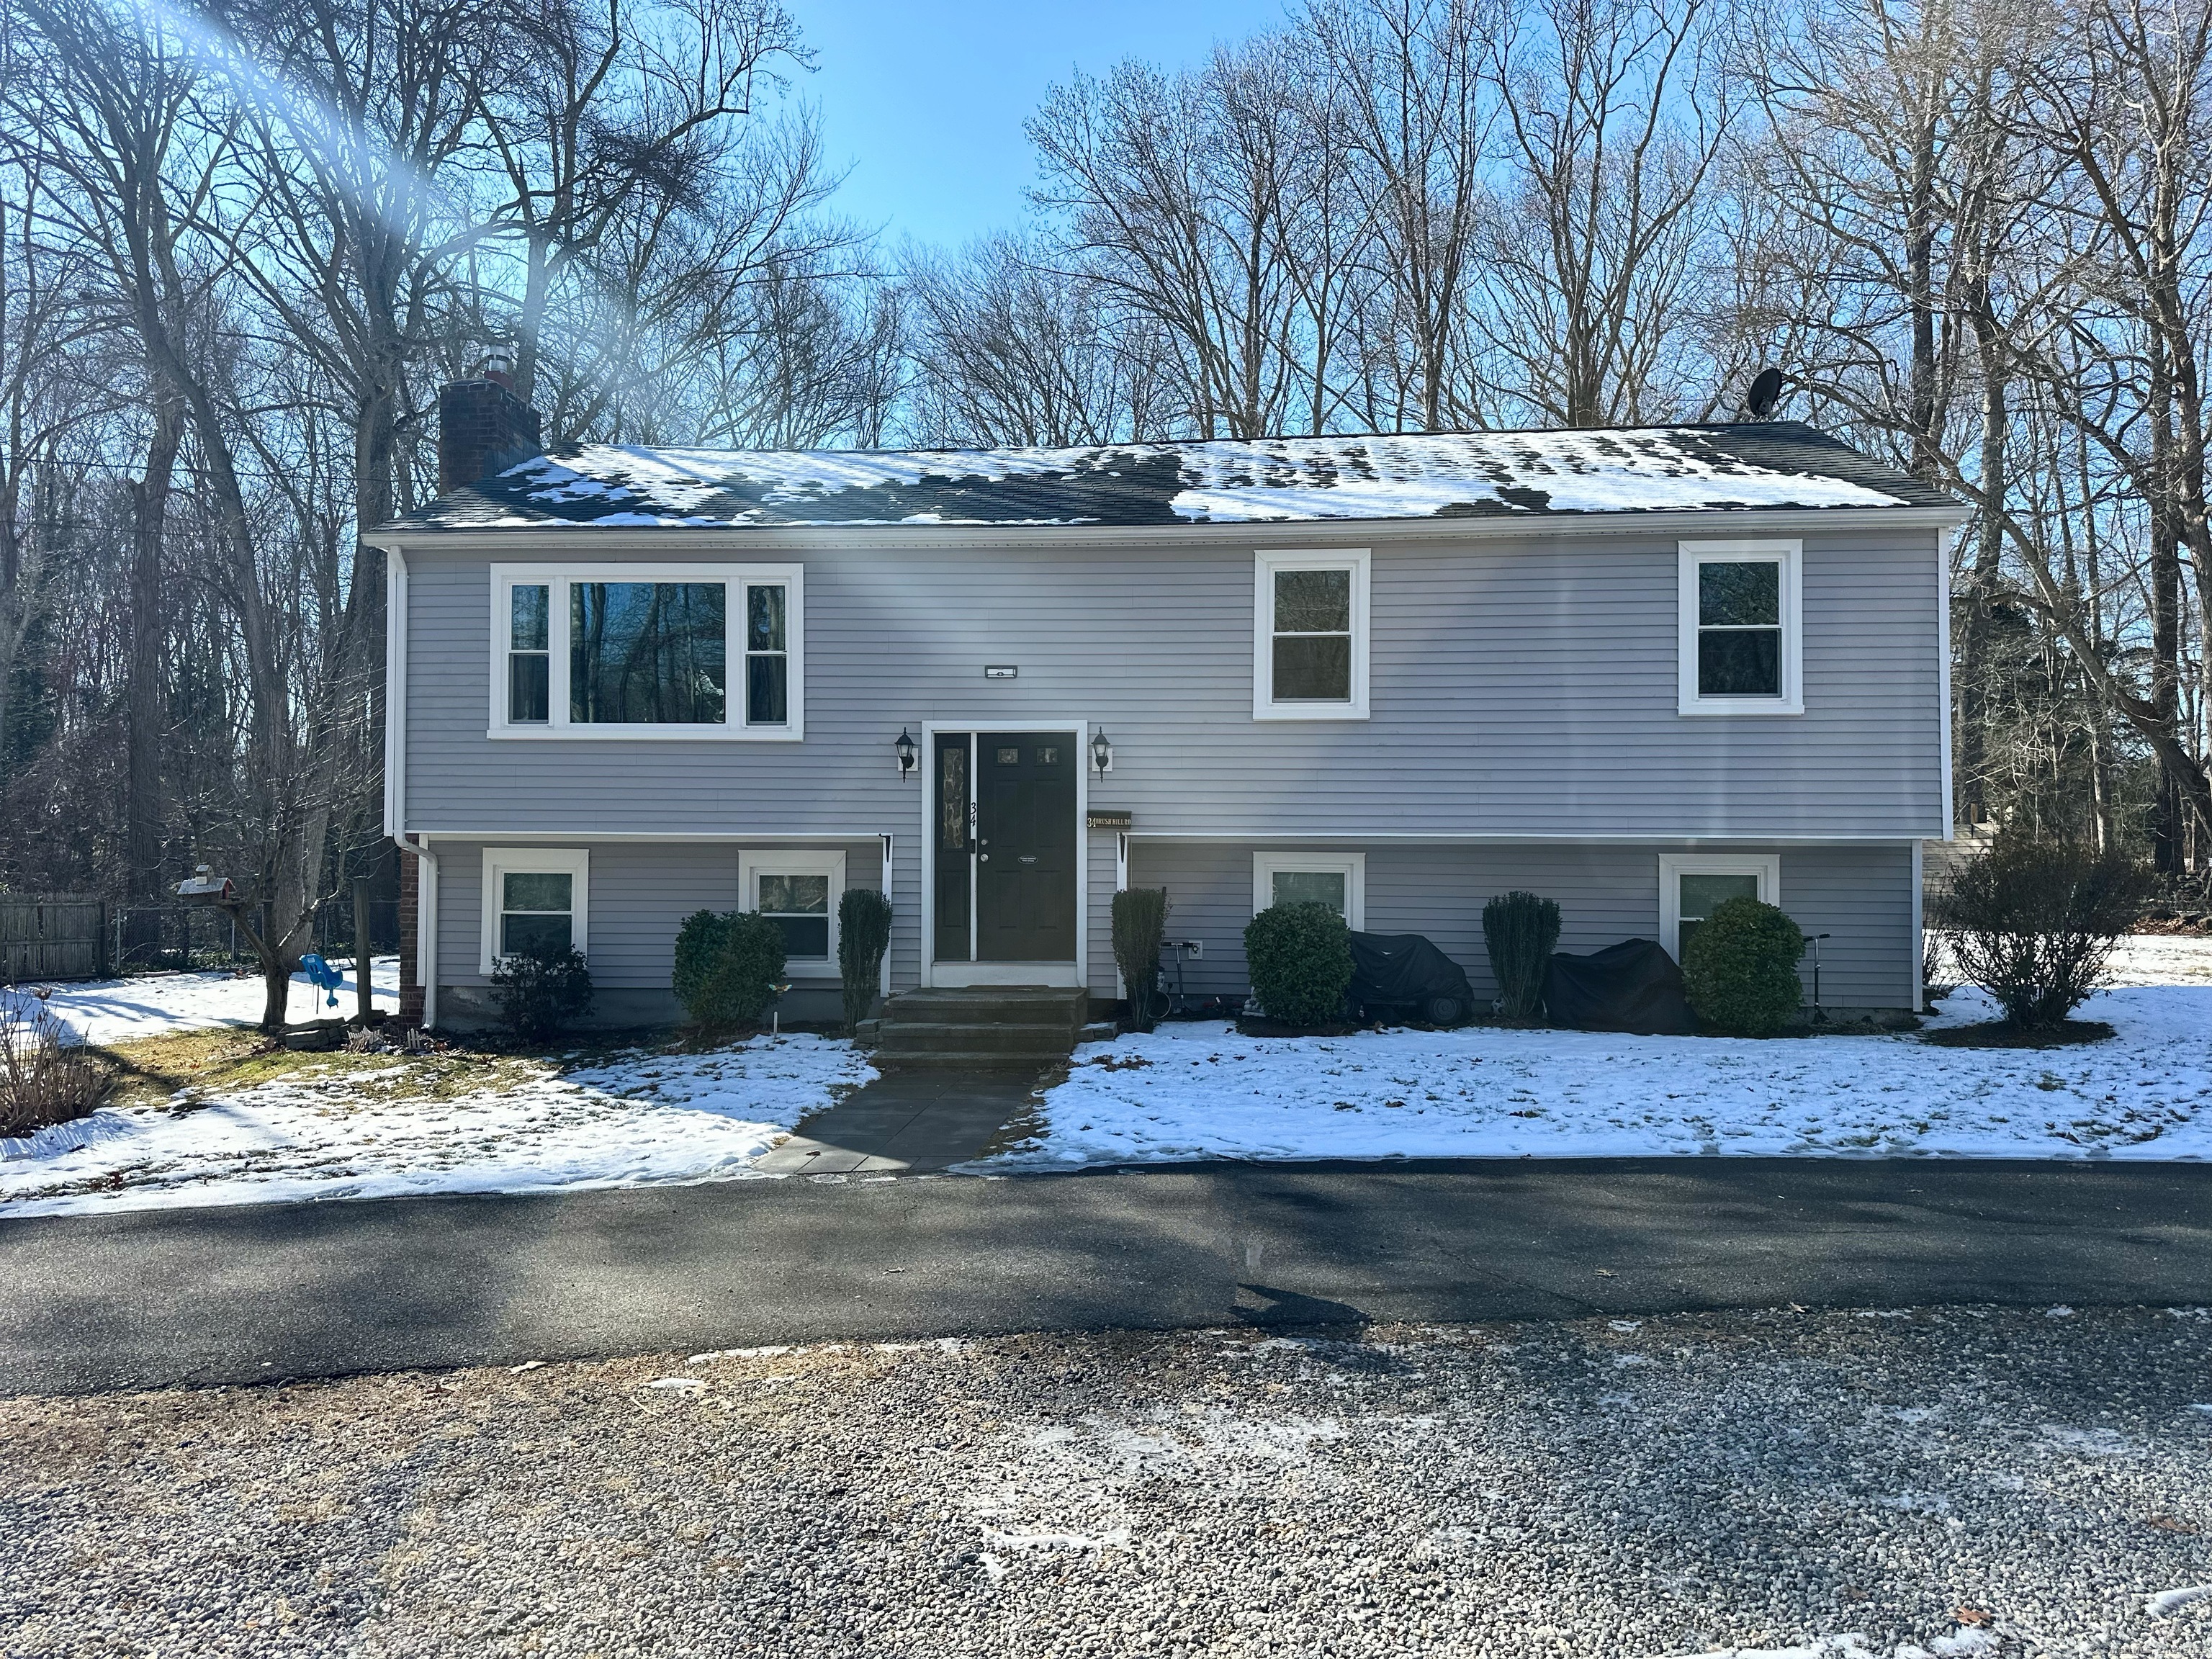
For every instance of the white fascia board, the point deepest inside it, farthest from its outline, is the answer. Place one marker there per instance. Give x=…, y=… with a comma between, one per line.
x=587, y=542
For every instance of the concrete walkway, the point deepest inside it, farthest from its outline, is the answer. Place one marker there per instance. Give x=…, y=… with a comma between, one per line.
x=909, y=1122
x=150, y=1297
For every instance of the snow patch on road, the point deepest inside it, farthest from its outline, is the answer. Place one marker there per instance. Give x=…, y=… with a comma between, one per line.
x=2167, y=1603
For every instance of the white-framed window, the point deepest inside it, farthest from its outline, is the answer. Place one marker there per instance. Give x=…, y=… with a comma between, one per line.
x=1309, y=636
x=1339, y=879
x=798, y=891
x=534, y=898
x=1690, y=884
x=646, y=651
x=1741, y=648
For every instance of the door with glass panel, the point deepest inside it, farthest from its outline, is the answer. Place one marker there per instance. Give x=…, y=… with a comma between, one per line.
x=1005, y=845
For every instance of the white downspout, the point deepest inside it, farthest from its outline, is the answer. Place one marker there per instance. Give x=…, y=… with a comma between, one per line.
x=395, y=780
x=1121, y=885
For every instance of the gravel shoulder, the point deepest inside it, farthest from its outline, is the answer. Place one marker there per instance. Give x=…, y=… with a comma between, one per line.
x=1957, y=1480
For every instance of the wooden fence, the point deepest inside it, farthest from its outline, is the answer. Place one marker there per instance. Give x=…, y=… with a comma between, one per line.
x=46, y=936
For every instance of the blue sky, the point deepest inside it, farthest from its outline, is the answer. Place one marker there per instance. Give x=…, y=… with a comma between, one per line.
x=926, y=100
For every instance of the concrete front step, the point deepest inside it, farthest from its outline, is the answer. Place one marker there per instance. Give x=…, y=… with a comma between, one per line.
x=981, y=1026
x=989, y=1007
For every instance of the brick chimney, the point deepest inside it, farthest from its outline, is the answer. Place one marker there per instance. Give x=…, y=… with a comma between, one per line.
x=483, y=428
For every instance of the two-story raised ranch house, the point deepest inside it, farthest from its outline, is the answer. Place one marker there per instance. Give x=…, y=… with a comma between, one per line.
x=1636, y=670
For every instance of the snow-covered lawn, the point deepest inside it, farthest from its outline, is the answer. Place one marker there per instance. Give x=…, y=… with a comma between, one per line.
x=341, y=1130
x=1197, y=1090
x=109, y=1011
x=2163, y=959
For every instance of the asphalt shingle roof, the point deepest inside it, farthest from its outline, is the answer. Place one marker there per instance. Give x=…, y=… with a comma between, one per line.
x=1748, y=467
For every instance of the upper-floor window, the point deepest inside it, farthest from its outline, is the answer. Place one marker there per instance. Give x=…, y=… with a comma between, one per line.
x=646, y=651
x=1309, y=636
x=1740, y=629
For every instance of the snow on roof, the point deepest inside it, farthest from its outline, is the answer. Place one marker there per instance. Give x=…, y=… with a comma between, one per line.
x=1780, y=465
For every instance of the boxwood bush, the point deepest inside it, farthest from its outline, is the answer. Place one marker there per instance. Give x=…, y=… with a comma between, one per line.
x=541, y=993
x=1300, y=958
x=727, y=965
x=1740, y=968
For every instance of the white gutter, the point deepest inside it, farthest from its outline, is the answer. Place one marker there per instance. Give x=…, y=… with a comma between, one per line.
x=395, y=779
x=688, y=541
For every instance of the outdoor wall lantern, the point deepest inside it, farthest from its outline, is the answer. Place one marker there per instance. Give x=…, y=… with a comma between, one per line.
x=909, y=754
x=1101, y=755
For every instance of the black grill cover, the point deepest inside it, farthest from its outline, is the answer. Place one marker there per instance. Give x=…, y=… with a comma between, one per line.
x=1633, y=986
x=1404, y=972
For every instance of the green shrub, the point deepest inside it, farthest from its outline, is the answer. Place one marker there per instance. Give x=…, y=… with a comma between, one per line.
x=541, y=993
x=1520, y=931
x=727, y=967
x=1740, y=968
x=863, y=934
x=1140, y=923
x=2034, y=922
x=1300, y=958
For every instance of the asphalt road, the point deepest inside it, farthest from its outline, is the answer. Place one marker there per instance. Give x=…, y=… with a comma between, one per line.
x=197, y=1296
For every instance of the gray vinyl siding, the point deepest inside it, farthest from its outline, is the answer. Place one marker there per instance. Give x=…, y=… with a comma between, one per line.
x=1522, y=690
x=1860, y=895
x=638, y=893
x=1523, y=687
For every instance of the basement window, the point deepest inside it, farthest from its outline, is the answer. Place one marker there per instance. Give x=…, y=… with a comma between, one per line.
x=798, y=891
x=535, y=899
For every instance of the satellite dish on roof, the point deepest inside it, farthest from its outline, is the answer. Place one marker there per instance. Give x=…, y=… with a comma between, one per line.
x=1765, y=392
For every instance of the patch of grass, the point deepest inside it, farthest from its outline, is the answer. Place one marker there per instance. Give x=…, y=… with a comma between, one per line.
x=151, y=1072
x=1995, y=1034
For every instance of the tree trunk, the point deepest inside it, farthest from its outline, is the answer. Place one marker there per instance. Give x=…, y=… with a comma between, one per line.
x=143, y=706
x=1989, y=558
x=2166, y=806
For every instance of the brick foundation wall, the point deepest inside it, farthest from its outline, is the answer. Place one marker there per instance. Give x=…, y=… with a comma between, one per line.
x=410, y=903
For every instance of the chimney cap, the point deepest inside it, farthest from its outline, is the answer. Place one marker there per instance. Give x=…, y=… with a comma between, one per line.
x=499, y=366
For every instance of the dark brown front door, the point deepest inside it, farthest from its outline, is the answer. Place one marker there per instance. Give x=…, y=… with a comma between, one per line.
x=1025, y=844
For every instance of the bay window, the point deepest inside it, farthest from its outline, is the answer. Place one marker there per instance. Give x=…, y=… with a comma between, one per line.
x=681, y=650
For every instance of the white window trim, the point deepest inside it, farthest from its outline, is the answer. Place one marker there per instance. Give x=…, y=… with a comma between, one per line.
x=557, y=577
x=752, y=865
x=499, y=862
x=1351, y=866
x=1360, y=562
x=1790, y=556
x=1673, y=867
